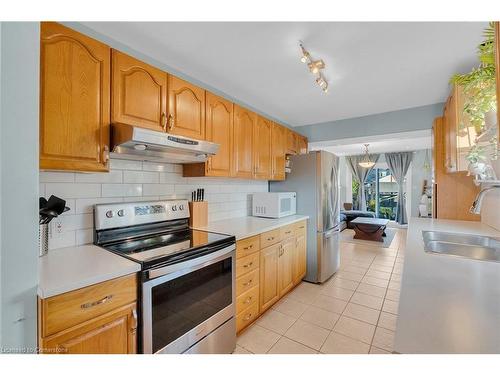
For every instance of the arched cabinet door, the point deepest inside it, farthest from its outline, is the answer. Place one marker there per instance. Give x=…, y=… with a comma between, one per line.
x=243, y=161
x=74, y=100
x=186, y=109
x=139, y=93
x=219, y=129
x=262, y=148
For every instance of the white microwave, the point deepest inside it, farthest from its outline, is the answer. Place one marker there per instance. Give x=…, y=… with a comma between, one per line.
x=274, y=205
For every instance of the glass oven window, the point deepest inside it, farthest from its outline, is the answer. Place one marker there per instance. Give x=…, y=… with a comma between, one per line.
x=181, y=304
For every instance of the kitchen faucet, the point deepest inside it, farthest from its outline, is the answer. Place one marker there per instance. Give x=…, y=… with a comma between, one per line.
x=476, y=206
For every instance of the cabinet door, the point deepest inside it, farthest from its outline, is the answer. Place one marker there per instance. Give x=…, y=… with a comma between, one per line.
x=450, y=119
x=186, y=108
x=301, y=144
x=111, y=333
x=278, y=150
x=262, y=148
x=269, y=282
x=285, y=271
x=219, y=129
x=74, y=100
x=299, y=266
x=139, y=95
x=244, y=121
x=291, y=142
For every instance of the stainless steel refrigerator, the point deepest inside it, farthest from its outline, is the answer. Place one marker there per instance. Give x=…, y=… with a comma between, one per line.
x=315, y=179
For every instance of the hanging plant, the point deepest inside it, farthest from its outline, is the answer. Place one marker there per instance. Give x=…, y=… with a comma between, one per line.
x=479, y=85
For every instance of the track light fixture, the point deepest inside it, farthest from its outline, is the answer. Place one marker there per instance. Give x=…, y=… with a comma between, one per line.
x=315, y=67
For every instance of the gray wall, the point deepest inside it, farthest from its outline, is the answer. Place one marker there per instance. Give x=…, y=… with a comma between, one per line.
x=19, y=183
x=418, y=118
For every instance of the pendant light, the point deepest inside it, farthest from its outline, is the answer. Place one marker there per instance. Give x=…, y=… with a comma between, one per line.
x=366, y=162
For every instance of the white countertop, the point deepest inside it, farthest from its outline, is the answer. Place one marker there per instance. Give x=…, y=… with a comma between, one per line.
x=248, y=226
x=448, y=304
x=71, y=268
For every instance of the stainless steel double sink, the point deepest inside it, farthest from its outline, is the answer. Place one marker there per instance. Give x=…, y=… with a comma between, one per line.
x=462, y=245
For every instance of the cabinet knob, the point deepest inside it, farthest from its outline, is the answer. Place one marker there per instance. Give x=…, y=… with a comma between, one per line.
x=105, y=155
x=164, y=121
x=171, y=121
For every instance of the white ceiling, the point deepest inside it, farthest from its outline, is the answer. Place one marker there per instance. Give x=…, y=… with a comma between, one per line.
x=372, y=67
x=407, y=141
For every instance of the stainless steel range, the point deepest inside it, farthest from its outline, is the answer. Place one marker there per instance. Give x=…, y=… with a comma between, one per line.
x=187, y=286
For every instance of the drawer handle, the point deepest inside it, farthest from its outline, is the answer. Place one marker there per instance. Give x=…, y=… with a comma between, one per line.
x=270, y=238
x=248, y=247
x=249, y=299
x=302, y=227
x=248, y=265
x=288, y=232
x=96, y=303
x=248, y=317
x=248, y=283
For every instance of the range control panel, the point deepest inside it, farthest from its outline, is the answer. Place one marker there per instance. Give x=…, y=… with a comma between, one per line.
x=116, y=215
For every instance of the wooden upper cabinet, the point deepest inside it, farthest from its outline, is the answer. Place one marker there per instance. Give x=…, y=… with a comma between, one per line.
x=244, y=122
x=186, y=108
x=139, y=93
x=219, y=129
x=450, y=123
x=301, y=144
x=291, y=142
x=262, y=148
x=74, y=100
x=278, y=149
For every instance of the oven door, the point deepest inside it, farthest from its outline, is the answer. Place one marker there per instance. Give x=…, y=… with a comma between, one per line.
x=184, y=302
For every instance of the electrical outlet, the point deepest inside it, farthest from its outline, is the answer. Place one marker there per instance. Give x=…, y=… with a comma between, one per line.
x=58, y=226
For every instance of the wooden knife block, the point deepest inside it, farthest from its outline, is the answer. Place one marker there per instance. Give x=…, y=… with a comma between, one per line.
x=198, y=214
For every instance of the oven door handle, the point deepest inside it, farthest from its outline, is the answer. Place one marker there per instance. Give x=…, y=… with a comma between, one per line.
x=192, y=264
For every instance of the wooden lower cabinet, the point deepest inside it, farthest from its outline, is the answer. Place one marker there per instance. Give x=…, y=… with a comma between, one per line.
x=112, y=333
x=269, y=276
x=281, y=254
x=98, y=319
x=286, y=266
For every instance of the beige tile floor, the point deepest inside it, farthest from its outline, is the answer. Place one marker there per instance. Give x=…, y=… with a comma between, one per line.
x=353, y=312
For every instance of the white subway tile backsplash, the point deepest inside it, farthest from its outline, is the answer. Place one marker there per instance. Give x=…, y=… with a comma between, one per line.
x=121, y=190
x=141, y=177
x=73, y=190
x=126, y=164
x=159, y=167
x=57, y=177
x=86, y=205
x=130, y=181
x=84, y=236
x=110, y=177
x=157, y=189
x=64, y=239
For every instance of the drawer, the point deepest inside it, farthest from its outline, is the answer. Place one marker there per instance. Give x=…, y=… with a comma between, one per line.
x=247, y=282
x=300, y=228
x=270, y=238
x=69, y=309
x=247, y=299
x=287, y=231
x=247, y=246
x=247, y=264
x=247, y=316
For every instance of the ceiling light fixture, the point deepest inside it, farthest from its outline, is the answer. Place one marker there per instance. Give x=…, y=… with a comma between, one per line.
x=315, y=67
x=366, y=162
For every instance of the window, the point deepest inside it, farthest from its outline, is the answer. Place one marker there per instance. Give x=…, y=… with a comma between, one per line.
x=381, y=193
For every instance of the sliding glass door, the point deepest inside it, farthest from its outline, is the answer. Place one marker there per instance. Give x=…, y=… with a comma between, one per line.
x=381, y=192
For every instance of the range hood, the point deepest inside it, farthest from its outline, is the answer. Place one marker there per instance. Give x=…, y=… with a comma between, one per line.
x=133, y=143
